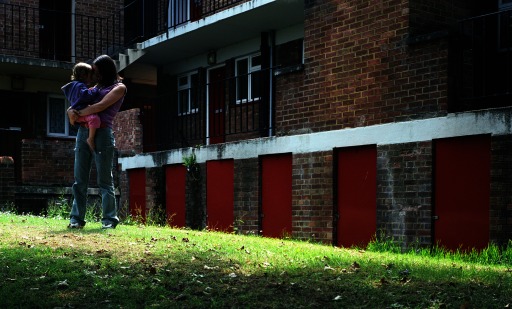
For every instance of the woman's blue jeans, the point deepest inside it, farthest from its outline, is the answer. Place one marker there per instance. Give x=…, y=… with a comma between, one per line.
x=103, y=157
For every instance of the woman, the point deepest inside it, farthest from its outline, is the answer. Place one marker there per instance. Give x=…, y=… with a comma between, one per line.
x=112, y=93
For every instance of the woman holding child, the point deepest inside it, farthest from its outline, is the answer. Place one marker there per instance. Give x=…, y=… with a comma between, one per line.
x=110, y=98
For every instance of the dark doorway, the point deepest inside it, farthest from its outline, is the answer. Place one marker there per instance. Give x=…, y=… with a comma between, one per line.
x=216, y=102
x=55, y=30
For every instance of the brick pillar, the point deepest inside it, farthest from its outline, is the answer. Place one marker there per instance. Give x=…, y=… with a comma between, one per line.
x=6, y=181
x=128, y=134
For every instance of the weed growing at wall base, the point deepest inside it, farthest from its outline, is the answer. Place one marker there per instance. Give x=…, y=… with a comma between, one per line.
x=61, y=207
x=493, y=254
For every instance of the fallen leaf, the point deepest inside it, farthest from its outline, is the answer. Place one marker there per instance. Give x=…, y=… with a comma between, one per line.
x=63, y=285
x=180, y=297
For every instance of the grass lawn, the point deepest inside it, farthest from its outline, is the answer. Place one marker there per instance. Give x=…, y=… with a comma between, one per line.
x=45, y=265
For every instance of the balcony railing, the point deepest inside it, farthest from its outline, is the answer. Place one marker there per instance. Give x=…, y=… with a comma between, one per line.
x=482, y=61
x=48, y=34
x=220, y=116
x=61, y=35
x=149, y=18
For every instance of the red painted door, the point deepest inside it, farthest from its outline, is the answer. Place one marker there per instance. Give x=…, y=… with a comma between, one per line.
x=276, y=195
x=175, y=198
x=220, y=194
x=356, y=195
x=137, y=187
x=216, y=102
x=462, y=192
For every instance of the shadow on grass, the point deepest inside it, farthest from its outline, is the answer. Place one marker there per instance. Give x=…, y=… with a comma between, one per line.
x=41, y=276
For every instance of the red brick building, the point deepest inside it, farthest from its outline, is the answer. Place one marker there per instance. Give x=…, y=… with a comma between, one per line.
x=333, y=121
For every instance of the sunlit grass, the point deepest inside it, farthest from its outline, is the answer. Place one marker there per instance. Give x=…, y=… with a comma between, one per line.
x=43, y=264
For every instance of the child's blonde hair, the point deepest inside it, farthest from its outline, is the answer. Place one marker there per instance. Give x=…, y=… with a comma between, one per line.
x=80, y=71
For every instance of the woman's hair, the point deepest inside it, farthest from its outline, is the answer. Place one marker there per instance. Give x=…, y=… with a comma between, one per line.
x=107, y=71
x=81, y=71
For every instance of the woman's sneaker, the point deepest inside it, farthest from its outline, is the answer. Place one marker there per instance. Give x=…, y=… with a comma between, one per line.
x=107, y=226
x=75, y=225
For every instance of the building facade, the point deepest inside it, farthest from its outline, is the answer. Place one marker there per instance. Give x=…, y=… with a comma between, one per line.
x=332, y=121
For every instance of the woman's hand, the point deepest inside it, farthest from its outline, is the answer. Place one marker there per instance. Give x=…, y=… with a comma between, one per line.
x=73, y=115
x=110, y=98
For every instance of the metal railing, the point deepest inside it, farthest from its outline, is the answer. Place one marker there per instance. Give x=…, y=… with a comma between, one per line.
x=217, y=119
x=149, y=18
x=481, y=55
x=60, y=35
x=47, y=34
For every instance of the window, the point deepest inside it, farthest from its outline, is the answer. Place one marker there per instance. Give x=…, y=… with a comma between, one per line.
x=290, y=53
x=188, y=86
x=57, y=121
x=248, y=74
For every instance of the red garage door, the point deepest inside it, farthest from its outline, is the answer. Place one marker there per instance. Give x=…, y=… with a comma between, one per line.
x=220, y=195
x=462, y=192
x=356, y=195
x=175, y=189
x=137, y=187
x=276, y=195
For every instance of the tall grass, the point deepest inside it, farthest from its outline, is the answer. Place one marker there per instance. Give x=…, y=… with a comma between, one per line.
x=491, y=255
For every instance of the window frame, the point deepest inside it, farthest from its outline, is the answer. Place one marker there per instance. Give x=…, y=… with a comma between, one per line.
x=68, y=132
x=250, y=70
x=188, y=87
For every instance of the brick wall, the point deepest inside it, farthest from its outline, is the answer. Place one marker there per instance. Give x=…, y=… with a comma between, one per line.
x=99, y=7
x=195, y=208
x=360, y=70
x=39, y=157
x=246, y=196
x=404, y=192
x=312, y=196
x=155, y=191
x=7, y=182
x=501, y=190
x=128, y=134
x=289, y=99
x=88, y=24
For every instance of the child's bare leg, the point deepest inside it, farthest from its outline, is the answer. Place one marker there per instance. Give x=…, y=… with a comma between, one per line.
x=90, y=139
x=71, y=116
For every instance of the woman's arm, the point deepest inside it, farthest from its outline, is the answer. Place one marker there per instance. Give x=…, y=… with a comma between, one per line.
x=110, y=98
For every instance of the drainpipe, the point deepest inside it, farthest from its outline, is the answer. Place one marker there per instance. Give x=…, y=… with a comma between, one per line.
x=73, y=31
x=272, y=43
